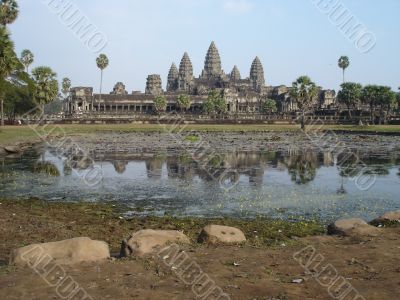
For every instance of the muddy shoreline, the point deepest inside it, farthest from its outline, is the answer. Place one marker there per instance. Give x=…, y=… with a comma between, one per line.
x=263, y=268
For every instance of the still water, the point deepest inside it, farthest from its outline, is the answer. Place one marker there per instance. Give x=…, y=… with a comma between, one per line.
x=282, y=184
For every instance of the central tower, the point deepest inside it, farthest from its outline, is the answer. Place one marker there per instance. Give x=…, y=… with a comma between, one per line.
x=212, y=64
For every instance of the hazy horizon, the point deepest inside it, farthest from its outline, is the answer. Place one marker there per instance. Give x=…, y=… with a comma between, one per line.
x=292, y=38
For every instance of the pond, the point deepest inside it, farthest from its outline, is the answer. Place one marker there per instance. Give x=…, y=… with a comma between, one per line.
x=279, y=184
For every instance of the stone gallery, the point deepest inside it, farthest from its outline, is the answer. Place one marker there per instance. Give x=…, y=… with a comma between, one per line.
x=243, y=95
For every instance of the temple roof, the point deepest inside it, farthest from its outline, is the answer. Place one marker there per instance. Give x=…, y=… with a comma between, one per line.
x=257, y=71
x=186, y=67
x=212, y=64
x=173, y=72
x=235, y=74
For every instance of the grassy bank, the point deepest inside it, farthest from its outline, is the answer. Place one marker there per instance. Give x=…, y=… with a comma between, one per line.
x=18, y=134
x=33, y=221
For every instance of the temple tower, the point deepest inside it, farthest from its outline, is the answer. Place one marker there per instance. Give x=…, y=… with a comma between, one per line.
x=212, y=64
x=119, y=89
x=185, y=73
x=257, y=74
x=173, y=77
x=235, y=74
x=154, y=85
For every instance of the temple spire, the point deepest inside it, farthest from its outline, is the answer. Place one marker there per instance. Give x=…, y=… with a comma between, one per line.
x=212, y=64
x=173, y=77
x=257, y=74
x=185, y=73
x=235, y=74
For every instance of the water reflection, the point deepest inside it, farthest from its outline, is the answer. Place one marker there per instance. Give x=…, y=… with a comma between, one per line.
x=297, y=182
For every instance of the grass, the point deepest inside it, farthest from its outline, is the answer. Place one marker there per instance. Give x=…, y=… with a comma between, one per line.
x=98, y=220
x=192, y=138
x=10, y=135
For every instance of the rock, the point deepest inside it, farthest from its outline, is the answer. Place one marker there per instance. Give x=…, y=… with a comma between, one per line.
x=216, y=234
x=147, y=241
x=353, y=227
x=65, y=252
x=12, y=149
x=3, y=151
x=389, y=217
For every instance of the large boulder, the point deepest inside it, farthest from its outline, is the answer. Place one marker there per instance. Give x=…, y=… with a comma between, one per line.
x=65, y=252
x=217, y=234
x=388, y=218
x=148, y=241
x=3, y=151
x=353, y=227
x=12, y=149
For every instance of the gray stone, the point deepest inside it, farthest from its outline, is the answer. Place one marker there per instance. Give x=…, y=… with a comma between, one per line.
x=65, y=252
x=12, y=149
x=353, y=227
x=148, y=241
x=217, y=234
x=389, y=217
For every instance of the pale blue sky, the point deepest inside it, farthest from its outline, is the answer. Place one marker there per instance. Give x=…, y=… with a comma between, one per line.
x=291, y=37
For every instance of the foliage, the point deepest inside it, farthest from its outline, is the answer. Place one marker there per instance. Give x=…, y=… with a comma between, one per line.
x=18, y=98
x=8, y=11
x=215, y=103
x=102, y=62
x=350, y=95
x=269, y=106
x=27, y=59
x=184, y=102
x=160, y=104
x=304, y=91
x=46, y=85
x=343, y=63
x=9, y=63
x=65, y=86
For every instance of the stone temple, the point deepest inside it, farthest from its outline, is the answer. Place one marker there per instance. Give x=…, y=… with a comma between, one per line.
x=243, y=95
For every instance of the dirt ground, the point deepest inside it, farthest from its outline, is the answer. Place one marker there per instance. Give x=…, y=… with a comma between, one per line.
x=267, y=270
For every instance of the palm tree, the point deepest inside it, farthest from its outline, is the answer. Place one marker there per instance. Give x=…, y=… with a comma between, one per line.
x=27, y=59
x=160, y=104
x=184, y=102
x=46, y=86
x=102, y=63
x=8, y=63
x=65, y=86
x=8, y=11
x=304, y=91
x=344, y=63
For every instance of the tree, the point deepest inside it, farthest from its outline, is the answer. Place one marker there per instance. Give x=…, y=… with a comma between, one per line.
x=344, y=63
x=208, y=106
x=387, y=102
x=184, y=102
x=8, y=63
x=215, y=103
x=65, y=86
x=46, y=86
x=370, y=97
x=8, y=11
x=269, y=106
x=18, y=97
x=27, y=59
x=350, y=95
x=304, y=91
x=160, y=104
x=102, y=63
